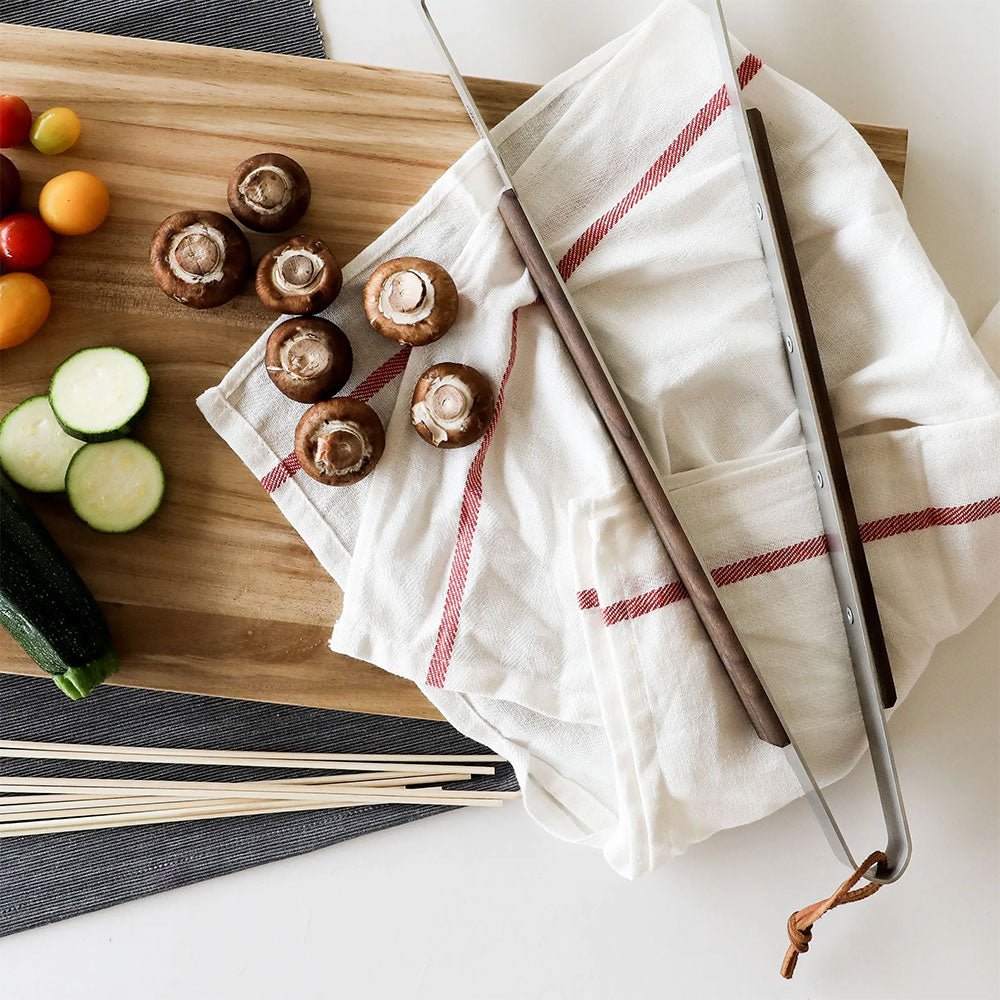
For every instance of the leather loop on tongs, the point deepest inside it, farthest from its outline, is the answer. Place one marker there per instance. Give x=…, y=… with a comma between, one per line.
x=800, y=923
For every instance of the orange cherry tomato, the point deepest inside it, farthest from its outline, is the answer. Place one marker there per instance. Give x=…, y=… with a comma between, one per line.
x=74, y=203
x=24, y=307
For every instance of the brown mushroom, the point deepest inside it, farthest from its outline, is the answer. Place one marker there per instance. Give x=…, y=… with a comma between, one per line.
x=199, y=258
x=411, y=300
x=269, y=192
x=299, y=276
x=452, y=405
x=339, y=441
x=308, y=358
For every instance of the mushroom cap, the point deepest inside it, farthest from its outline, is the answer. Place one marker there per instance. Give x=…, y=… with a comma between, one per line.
x=201, y=259
x=308, y=358
x=339, y=434
x=460, y=397
x=437, y=322
x=298, y=276
x=269, y=192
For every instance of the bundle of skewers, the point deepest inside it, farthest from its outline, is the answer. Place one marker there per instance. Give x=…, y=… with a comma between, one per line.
x=32, y=806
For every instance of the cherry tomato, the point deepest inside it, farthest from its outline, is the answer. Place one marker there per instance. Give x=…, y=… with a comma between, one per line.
x=55, y=131
x=74, y=203
x=15, y=120
x=10, y=185
x=24, y=307
x=25, y=242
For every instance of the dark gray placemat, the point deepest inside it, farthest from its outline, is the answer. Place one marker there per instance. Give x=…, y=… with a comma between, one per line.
x=50, y=878
x=287, y=27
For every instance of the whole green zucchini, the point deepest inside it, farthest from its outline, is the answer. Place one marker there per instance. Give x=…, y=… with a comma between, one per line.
x=45, y=605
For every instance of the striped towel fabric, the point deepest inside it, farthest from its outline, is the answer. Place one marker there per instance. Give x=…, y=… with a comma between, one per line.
x=520, y=582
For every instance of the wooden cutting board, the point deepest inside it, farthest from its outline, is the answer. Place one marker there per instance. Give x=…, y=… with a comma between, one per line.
x=218, y=594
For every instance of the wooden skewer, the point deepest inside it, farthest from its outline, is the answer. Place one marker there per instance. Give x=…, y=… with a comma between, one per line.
x=31, y=806
x=39, y=806
x=184, y=815
x=129, y=757
x=119, y=787
x=248, y=758
x=144, y=804
x=27, y=800
x=122, y=807
x=8, y=799
x=216, y=811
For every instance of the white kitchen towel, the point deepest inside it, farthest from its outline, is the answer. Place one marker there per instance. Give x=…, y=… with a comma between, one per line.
x=518, y=580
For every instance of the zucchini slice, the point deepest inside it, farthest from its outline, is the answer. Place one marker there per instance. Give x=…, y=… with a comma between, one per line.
x=97, y=393
x=115, y=486
x=34, y=450
x=45, y=605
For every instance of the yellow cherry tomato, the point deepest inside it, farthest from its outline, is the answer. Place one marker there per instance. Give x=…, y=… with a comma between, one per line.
x=74, y=203
x=55, y=131
x=24, y=307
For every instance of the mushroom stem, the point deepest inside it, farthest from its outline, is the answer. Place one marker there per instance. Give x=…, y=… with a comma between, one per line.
x=341, y=448
x=304, y=355
x=445, y=409
x=297, y=271
x=407, y=297
x=268, y=189
x=196, y=254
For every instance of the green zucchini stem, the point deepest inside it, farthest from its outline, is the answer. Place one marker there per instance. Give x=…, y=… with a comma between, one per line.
x=78, y=682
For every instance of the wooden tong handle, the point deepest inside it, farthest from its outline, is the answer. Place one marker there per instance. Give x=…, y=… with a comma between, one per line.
x=703, y=596
x=813, y=365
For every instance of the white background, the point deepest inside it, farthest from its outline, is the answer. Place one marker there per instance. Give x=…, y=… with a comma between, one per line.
x=482, y=904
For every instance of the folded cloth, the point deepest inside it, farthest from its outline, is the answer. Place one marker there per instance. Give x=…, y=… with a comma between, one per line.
x=519, y=581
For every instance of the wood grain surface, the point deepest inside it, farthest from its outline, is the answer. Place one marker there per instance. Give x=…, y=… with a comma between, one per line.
x=218, y=594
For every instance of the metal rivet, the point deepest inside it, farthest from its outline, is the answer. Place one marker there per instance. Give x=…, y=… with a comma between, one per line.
x=760, y=211
x=788, y=344
x=819, y=479
x=849, y=615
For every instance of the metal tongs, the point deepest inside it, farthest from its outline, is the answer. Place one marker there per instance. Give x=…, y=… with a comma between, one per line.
x=869, y=658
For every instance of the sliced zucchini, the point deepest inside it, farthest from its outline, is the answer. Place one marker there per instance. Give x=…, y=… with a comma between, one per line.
x=97, y=393
x=115, y=486
x=34, y=450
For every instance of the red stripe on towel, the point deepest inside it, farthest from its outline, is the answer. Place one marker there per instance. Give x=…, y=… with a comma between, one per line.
x=929, y=517
x=468, y=520
x=281, y=473
x=652, y=600
x=587, y=242
x=789, y=555
x=365, y=391
x=382, y=376
x=770, y=562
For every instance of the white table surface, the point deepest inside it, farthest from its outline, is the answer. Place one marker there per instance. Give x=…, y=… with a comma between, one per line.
x=483, y=904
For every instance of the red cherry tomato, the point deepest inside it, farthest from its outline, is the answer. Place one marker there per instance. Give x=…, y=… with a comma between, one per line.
x=15, y=120
x=25, y=242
